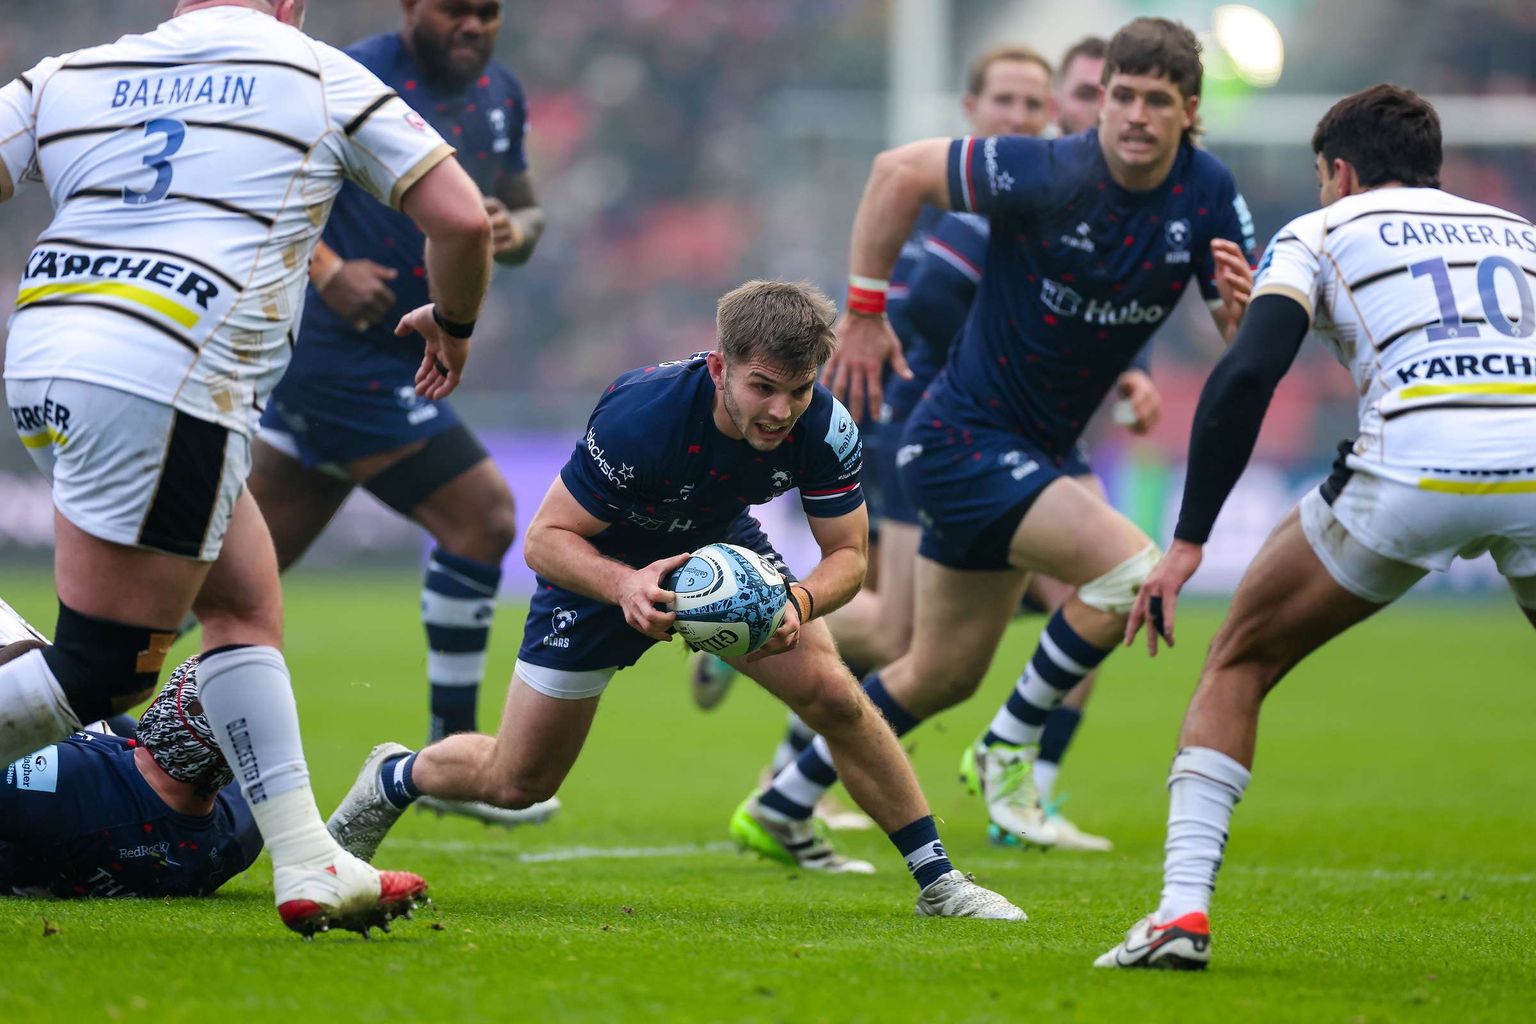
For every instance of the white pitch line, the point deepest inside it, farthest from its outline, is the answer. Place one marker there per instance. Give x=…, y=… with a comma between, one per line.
x=564, y=853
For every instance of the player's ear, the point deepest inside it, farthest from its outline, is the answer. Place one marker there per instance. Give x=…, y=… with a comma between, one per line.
x=968, y=104
x=716, y=363
x=1191, y=111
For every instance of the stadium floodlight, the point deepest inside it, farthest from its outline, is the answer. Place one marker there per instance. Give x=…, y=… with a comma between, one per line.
x=1252, y=42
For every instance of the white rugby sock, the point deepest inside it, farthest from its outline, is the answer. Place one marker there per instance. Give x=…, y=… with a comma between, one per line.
x=33, y=709
x=1045, y=773
x=1204, y=786
x=248, y=698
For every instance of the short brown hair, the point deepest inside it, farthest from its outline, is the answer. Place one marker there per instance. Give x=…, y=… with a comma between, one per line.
x=1092, y=47
x=1157, y=46
x=976, y=77
x=1386, y=133
x=786, y=324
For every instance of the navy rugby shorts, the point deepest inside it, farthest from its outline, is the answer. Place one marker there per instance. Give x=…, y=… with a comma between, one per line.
x=329, y=418
x=574, y=633
x=972, y=485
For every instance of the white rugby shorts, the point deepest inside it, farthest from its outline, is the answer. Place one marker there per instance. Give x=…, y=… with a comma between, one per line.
x=131, y=470
x=1380, y=537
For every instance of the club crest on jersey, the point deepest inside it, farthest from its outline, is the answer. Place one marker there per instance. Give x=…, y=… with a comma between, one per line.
x=501, y=137
x=415, y=120
x=1059, y=298
x=1177, y=235
x=781, y=481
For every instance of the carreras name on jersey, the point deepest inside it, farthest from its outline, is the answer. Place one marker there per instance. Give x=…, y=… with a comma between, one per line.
x=1064, y=300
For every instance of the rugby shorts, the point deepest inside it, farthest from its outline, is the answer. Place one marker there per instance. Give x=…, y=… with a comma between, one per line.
x=573, y=644
x=972, y=485
x=1378, y=537
x=132, y=470
x=327, y=420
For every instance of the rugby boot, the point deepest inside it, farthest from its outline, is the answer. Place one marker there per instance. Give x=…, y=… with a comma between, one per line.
x=1003, y=776
x=1183, y=944
x=954, y=894
x=795, y=843
x=344, y=894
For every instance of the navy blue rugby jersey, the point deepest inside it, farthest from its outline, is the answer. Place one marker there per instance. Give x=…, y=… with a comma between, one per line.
x=78, y=819
x=941, y=284
x=1079, y=274
x=655, y=466
x=485, y=124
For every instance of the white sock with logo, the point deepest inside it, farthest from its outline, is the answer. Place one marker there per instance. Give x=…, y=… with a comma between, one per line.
x=1204, y=786
x=248, y=697
x=33, y=709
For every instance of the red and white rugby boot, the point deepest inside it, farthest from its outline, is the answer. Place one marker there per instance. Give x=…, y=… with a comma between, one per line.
x=1183, y=944
x=346, y=894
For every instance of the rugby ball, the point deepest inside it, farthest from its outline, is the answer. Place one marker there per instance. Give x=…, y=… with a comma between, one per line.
x=729, y=600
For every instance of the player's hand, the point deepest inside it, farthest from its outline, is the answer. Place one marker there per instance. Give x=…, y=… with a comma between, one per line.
x=506, y=236
x=357, y=292
x=1141, y=405
x=1158, y=597
x=784, y=638
x=640, y=594
x=864, y=345
x=442, y=358
x=1234, y=284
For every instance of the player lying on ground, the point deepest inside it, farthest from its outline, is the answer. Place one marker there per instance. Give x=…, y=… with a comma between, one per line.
x=153, y=320
x=673, y=457
x=346, y=413
x=102, y=815
x=1426, y=297
x=1093, y=239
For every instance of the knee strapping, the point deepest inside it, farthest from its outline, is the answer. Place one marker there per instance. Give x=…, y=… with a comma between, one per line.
x=98, y=662
x=1115, y=591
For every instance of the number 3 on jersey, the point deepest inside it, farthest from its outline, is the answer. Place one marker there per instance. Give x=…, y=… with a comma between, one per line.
x=1451, y=324
x=175, y=134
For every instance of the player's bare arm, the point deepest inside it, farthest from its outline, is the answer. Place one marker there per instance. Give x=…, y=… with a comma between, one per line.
x=447, y=207
x=1227, y=421
x=844, y=543
x=900, y=182
x=1144, y=402
x=517, y=219
x=557, y=548
x=1234, y=284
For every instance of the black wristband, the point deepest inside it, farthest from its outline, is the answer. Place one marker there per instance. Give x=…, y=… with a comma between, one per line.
x=789, y=592
x=452, y=328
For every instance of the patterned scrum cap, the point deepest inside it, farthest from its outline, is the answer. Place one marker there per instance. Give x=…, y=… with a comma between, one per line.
x=178, y=736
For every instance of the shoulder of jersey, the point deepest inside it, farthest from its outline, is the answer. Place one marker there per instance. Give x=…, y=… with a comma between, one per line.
x=372, y=48
x=662, y=373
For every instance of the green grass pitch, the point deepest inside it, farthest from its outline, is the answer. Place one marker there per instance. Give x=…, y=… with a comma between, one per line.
x=1382, y=867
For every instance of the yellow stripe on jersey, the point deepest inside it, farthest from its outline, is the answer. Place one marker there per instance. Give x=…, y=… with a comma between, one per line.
x=43, y=438
x=1477, y=486
x=115, y=289
x=1487, y=388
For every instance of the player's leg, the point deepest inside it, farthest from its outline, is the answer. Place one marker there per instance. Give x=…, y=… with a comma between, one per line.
x=1309, y=582
x=297, y=502
x=852, y=734
x=960, y=617
x=449, y=485
x=1074, y=535
x=247, y=695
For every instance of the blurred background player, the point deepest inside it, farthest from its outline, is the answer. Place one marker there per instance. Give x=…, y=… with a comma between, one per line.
x=1426, y=297
x=153, y=813
x=1094, y=238
x=674, y=455
x=1078, y=90
x=347, y=413
x=153, y=320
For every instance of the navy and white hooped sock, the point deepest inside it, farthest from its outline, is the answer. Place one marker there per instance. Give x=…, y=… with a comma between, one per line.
x=458, y=601
x=1060, y=726
x=918, y=844
x=797, y=737
x=396, y=782
x=1059, y=663
x=799, y=784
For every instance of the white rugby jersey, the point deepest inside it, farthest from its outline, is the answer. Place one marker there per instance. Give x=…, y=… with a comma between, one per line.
x=191, y=170
x=1427, y=299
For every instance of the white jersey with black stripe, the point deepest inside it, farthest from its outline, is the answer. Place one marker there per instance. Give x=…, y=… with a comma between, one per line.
x=191, y=170
x=1427, y=298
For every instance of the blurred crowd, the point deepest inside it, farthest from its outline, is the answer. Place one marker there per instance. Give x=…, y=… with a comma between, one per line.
x=681, y=146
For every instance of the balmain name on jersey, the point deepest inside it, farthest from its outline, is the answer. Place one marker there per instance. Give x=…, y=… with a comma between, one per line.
x=184, y=89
